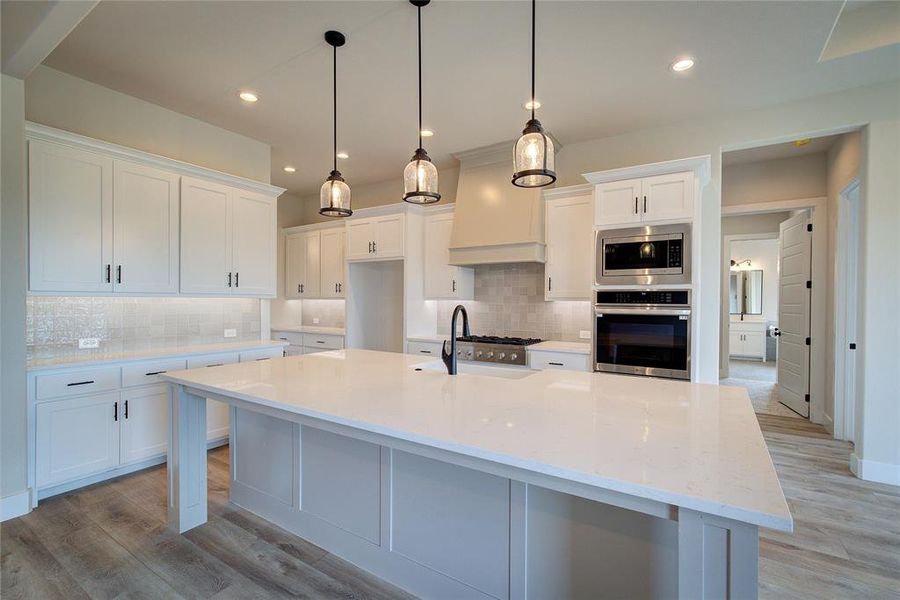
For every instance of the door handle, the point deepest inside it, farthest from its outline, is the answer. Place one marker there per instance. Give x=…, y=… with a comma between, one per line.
x=777, y=332
x=118, y=273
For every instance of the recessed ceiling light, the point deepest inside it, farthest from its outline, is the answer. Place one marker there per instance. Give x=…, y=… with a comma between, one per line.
x=343, y=155
x=682, y=64
x=427, y=133
x=532, y=105
x=289, y=169
x=248, y=96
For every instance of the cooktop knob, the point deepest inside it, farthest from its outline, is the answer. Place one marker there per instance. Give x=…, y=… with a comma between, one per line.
x=490, y=355
x=469, y=354
x=513, y=356
x=479, y=353
x=502, y=355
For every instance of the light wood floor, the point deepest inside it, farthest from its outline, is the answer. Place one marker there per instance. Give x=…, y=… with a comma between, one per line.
x=110, y=540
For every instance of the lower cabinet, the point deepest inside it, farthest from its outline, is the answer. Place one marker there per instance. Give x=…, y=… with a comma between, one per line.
x=539, y=359
x=144, y=422
x=424, y=348
x=747, y=340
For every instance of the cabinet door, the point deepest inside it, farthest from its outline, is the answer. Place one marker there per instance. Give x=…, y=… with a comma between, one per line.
x=205, y=237
x=569, y=253
x=254, y=241
x=360, y=236
x=668, y=197
x=313, y=265
x=388, y=236
x=332, y=262
x=76, y=437
x=735, y=343
x=617, y=202
x=145, y=242
x=439, y=273
x=145, y=422
x=294, y=264
x=70, y=217
x=755, y=344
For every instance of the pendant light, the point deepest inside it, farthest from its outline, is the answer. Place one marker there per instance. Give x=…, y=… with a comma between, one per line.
x=334, y=197
x=533, y=164
x=420, y=178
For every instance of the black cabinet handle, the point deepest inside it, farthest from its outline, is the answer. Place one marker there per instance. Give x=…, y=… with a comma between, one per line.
x=237, y=281
x=118, y=273
x=555, y=364
x=425, y=351
x=454, y=285
x=126, y=409
x=635, y=204
x=340, y=287
x=301, y=288
x=374, y=247
x=229, y=279
x=108, y=273
x=215, y=365
x=370, y=247
x=298, y=288
x=335, y=288
x=549, y=284
x=80, y=383
x=115, y=411
x=320, y=342
x=645, y=203
x=151, y=373
x=265, y=358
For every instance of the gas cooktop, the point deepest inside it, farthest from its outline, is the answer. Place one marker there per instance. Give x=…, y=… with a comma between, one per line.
x=493, y=349
x=495, y=339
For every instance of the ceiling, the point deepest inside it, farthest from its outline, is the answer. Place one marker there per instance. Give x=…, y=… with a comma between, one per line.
x=818, y=145
x=602, y=69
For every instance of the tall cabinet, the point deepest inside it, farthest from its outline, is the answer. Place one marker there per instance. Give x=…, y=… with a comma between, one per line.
x=314, y=262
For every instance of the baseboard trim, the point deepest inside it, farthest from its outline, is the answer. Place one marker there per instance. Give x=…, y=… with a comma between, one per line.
x=828, y=423
x=873, y=470
x=15, y=505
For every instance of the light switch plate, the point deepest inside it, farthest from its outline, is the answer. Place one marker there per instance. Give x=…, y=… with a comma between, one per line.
x=88, y=342
x=230, y=333
x=315, y=320
x=584, y=334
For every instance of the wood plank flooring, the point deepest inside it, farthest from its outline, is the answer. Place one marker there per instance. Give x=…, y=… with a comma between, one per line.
x=110, y=539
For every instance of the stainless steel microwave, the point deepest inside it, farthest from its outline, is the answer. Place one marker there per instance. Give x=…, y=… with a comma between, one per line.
x=644, y=255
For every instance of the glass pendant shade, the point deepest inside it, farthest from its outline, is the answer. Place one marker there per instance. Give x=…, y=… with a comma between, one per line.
x=533, y=158
x=420, y=180
x=334, y=197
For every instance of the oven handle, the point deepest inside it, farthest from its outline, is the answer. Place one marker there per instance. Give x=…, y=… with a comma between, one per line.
x=663, y=312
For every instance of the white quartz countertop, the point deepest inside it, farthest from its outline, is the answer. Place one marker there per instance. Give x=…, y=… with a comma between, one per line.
x=99, y=358
x=695, y=446
x=311, y=329
x=568, y=347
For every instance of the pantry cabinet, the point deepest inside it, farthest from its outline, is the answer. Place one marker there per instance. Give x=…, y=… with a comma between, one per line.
x=569, y=239
x=376, y=238
x=443, y=280
x=314, y=263
x=648, y=199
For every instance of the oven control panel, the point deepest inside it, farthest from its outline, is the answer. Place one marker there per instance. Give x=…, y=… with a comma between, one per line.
x=644, y=297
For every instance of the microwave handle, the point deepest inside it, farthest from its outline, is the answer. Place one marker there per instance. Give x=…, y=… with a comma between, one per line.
x=662, y=312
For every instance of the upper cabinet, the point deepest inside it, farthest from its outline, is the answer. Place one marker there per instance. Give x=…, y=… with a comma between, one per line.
x=376, y=238
x=107, y=219
x=314, y=263
x=443, y=280
x=648, y=199
x=569, y=239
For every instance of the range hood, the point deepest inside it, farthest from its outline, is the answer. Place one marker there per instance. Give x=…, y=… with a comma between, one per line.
x=495, y=221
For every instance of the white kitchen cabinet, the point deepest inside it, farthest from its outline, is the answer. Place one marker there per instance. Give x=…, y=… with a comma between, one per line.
x=70, y=212
x=443, y=280
x=76, y=437
x=145, y=220
x=666, y=197
x=569, y=239
x=303, y=264
x=227, y=240
x=144, y=422
x=424, y=348
x=376, y=238
x=548, y=359
x=747, y=339
x=331, y=260
x=321, y=342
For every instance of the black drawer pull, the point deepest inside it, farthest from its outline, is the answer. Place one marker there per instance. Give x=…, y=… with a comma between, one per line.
x=264, y=358
x=555, y=364
x=216, y=365
x=425, y=351
x=320, y=341
x=151, y=373
x=80, y=383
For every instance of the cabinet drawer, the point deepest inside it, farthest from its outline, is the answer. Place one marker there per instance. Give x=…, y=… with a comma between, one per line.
x=212, y=360
x=323, y=341
x=558, y=360
x=293, y=338
x=76, y=382
x=263, y=354
x=293, y=350
x=145, y=373
x=426, y=348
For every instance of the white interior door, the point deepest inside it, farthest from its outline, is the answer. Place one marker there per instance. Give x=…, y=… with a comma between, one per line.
x=793, y=314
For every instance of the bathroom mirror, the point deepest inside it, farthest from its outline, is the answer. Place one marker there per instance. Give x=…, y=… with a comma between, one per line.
x=745, y=295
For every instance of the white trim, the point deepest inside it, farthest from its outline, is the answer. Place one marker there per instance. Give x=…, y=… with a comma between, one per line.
x=15, y=505
x=569, y=190
x=35, y=131
x=313, y=227
x=816, y=133
x=698, y=164
x=384, y=209
x=845, y=305
x=817, y=363
x=872, y=470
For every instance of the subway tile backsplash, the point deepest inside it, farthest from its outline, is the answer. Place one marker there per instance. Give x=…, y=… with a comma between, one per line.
x=54, y=324
x=509, y=300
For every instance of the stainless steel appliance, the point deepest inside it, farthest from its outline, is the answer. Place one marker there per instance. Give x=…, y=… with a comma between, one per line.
x=644, y=255
x=493, y=349
x=643, y=332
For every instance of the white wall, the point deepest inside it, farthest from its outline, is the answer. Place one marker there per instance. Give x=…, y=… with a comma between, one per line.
x=60, y=100
x=877, y=109
x=772, y=180
x=12, y=287
x=760, y=223
x=763, y=254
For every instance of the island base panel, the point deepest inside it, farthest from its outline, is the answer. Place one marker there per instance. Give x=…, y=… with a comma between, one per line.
x=186, y=459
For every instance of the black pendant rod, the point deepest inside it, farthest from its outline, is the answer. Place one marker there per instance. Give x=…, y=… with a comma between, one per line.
x=334, y=81
x=533, y=18
x=419, y=10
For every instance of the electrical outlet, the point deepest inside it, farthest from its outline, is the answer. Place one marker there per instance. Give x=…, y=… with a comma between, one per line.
x=89, y=343
x=584, y=334
x=315, y=320
x=230, y=333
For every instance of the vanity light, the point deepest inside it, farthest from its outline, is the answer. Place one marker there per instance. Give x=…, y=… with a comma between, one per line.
x=248, y=96
x=420, y=177
x=533, y=154
x=290, y=169
x=334, y=197
x=682, y=64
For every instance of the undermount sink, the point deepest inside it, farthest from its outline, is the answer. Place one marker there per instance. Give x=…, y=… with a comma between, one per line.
x=511, y=372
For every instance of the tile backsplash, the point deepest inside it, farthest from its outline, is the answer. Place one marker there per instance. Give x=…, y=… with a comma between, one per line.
x=330, y=313
x=509, y=300
x=54, y=324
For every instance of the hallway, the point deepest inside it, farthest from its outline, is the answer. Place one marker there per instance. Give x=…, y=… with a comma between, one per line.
x=759, y=380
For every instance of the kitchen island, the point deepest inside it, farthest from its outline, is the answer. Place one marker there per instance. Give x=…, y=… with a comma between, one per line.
x=550, y=484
